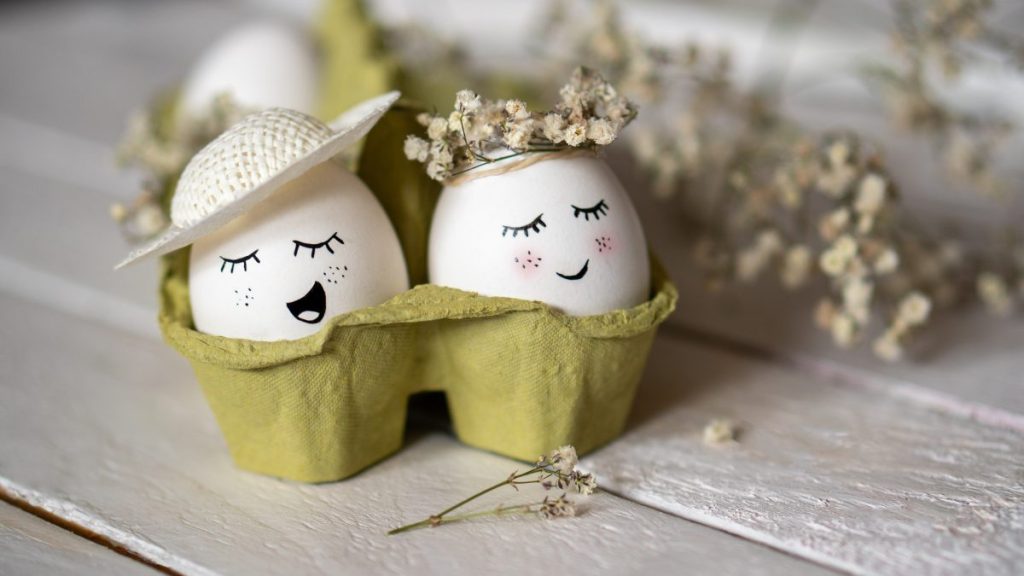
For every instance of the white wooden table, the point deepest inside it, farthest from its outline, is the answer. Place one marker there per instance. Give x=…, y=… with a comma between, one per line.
x=841, y=465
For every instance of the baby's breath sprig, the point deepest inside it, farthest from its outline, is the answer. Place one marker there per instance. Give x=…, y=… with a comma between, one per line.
x=478, y=132
x=159, y=141
x=556, y=470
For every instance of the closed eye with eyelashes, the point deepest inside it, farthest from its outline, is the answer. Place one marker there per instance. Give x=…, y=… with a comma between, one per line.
x=243, y=261
x=597, y=210
x=535, y=225
x=313, y=247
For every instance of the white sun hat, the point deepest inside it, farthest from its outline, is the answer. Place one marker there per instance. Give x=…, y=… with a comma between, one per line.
x=251, y=160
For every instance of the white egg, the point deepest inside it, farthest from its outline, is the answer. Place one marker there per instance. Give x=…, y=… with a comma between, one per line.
x=261, y=65
x=319, y=246
x=562, y=231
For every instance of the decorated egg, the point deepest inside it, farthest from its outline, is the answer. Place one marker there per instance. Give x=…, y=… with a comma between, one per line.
x=562, y=231
x=283, y=236
x=260, y=65
x=318, y=247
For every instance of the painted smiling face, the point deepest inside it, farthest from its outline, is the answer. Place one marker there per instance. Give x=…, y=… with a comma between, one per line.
x=318, y=247
x=561, y=231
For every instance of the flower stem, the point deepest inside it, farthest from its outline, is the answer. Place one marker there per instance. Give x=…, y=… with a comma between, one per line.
x=437, y=521
x=439, y=518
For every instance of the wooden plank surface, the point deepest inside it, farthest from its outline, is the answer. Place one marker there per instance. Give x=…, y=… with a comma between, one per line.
x=33, y=546
x=109, y=431
x=81, y=66
x=852, y=478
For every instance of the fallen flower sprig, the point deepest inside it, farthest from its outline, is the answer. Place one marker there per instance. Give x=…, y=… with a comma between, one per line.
x=557, y=470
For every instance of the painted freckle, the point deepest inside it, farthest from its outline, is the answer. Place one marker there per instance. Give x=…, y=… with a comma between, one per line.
x=527, y=261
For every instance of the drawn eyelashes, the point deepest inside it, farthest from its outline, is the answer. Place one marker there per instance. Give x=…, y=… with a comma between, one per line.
x=314, y=247
x=597, y=210
x=244, y=261
x=535, y=226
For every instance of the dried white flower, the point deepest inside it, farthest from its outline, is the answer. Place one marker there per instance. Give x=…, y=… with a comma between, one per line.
x=437, y=171
x=438, y=128
x=586, y=484
x=560, y=507
x=416, y=148
x=442, y=154
x=887, y=262
x=750, y=263
x=720, y=431
x=554, y=124
x=517, y=137
x=564, y=459
x=517, y=109
x=467, y=101
x=845, y=246
x=834, y=223
x=888, y=347
x=844, y=330
x=870, y=195
x=914, y=309
x=994, y=293
x=824, y=313
x=832, y=262
x=576, y=134
x=600, y=131
x=837, y=180
x=455, y=122
x=857, y=294
x=796, y=266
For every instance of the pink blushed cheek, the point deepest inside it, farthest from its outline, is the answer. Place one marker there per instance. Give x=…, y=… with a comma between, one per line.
x=603, y=245
x=527, y=263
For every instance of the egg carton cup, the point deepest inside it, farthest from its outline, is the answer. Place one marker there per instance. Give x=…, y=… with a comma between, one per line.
x=520, y=377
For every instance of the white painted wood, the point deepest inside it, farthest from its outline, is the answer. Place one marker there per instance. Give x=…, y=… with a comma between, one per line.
x=110, y=432
x=66, y=231
x=124, y=444
x=31, y=545
x=852, y=478
x=82, y=66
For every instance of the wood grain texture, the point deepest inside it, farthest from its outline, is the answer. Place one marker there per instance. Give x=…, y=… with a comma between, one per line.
x=862, y=482
x=31, y=545
x=66, y=231
x=106, y=428
x=110, y=432
x=80, y=67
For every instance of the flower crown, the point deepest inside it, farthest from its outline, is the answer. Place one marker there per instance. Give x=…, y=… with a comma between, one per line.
x=478, y=132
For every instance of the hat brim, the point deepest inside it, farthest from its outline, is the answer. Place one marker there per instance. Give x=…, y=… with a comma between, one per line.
x=351, y=126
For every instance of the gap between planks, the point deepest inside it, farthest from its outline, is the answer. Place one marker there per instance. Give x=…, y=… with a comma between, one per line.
x=80, y=530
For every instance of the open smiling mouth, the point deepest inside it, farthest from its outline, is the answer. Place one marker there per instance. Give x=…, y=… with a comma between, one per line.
x=311, y=307
x=578, y=275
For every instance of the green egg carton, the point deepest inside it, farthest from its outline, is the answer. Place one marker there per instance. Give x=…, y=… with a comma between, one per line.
x=520, y=377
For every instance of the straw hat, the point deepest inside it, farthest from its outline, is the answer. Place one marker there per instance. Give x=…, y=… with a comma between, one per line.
x=248, y=162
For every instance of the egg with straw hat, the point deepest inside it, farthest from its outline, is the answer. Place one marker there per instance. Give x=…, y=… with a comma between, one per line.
x=283, y=237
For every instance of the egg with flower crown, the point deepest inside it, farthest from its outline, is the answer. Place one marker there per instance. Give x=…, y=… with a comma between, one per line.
x=282, y=236
x=529, y=209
